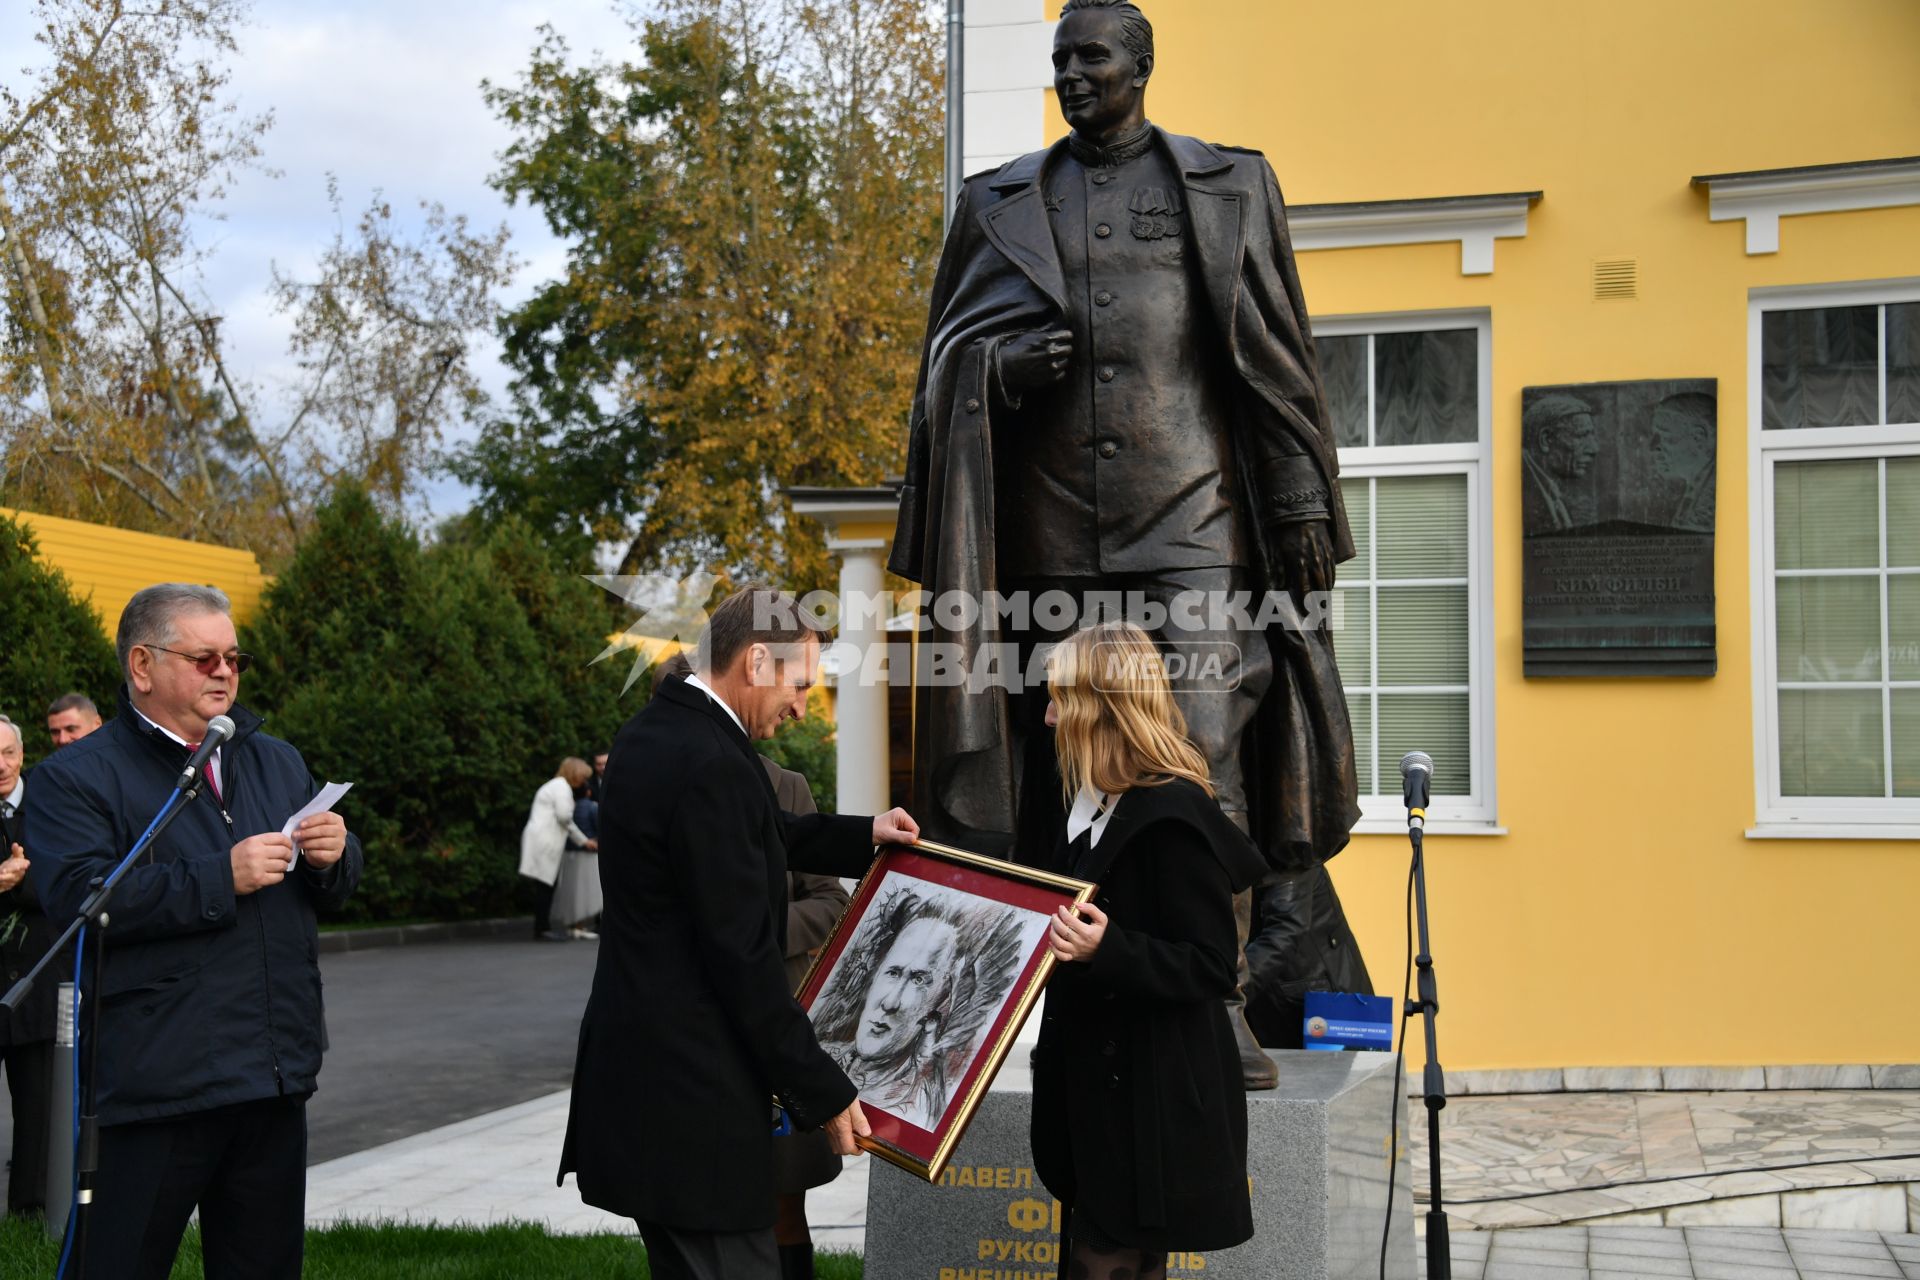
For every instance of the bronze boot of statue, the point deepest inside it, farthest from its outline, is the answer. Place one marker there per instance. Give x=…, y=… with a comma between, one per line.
x=1256, y=1068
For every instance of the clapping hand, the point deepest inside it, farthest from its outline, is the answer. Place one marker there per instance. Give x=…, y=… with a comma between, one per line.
x=14, y=869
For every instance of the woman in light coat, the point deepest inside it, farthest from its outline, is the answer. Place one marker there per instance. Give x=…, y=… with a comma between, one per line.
x=543, y=841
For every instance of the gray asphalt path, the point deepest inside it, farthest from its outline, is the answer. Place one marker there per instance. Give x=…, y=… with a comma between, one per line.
x=426, y=1035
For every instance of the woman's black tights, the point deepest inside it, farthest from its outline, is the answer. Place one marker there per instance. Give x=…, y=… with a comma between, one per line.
x=1089, y=1263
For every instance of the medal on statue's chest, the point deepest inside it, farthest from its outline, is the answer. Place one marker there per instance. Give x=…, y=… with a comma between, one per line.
x=1156, y=213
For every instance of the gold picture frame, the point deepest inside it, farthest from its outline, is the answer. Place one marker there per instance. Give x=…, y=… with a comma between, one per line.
x=924, y=985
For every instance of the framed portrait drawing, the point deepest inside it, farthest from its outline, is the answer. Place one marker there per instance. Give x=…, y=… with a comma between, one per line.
x=922, y=988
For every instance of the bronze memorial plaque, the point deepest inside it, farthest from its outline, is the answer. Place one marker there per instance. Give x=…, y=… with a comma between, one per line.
x=1617, y=513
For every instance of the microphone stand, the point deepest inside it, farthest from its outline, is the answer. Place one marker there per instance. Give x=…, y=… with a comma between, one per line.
x=1434, y=1083
x=93, y=912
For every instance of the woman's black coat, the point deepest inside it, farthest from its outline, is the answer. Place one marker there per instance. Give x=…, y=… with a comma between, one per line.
x=1139, y=1111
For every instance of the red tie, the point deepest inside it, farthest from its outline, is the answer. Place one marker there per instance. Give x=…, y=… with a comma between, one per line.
x=194, y=746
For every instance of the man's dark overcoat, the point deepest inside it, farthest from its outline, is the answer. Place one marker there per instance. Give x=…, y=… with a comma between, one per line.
x=1000, y=276
x=1139, y=1110
x=692, y=1028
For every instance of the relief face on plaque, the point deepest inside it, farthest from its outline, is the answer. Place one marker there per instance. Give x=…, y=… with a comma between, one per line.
x=1617, y=512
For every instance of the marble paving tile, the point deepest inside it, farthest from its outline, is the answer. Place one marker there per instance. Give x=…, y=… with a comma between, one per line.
x=1610, y=1079
x=1668, y=1143
x=1904, y=1075
x=1741, y=1271
x=1696, y=1078
x=1671, y=1246
x=1540, y=1080
x=1877, y=1208
x=1820, y=1077
x=1742, y=1211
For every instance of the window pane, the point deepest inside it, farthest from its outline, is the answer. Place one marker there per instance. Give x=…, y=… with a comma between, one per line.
x=1343, y=371
x=1360, y=710
x=1423, y=526
x=1831, y=743
x=1829, y=629
x=1353, y=639
x=1423, y=635
x=1358, y=496
x=1903, y=512
x=1906, y=742
x=1435, y=723
x=1820, y=367
x=1826, y=515
x=1426, y=387
x=1903, y=626
x=1903, y=362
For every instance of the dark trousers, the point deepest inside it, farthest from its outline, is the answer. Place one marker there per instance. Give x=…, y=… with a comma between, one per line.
x=543, y=907
x=30, y=1082
x=244, y=1167
x=676, y=1254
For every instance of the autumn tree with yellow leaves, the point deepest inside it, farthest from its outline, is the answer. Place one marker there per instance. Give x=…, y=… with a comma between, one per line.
x=118, y=400
x=752, y=207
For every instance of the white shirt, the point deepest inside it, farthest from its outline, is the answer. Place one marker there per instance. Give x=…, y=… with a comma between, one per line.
x=16, y=798
x=1092, y=810
x=707, y=689
x=213, y=765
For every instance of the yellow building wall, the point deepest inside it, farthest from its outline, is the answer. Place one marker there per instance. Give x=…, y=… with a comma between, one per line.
x=108, y=565
x=1625, y=919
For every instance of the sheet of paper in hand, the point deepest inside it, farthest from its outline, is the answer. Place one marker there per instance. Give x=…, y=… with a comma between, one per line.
x=323, y=802
x=922, y=988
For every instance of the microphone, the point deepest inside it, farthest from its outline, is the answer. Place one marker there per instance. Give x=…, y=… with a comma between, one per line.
x=219, y=729
x=1416, y=773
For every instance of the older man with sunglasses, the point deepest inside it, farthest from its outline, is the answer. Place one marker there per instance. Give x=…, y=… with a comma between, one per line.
x=211, y=1027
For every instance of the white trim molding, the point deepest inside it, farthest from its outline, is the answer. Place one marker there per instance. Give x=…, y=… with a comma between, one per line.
x=1475, y=222
x=1764, y=196
x=1778, y=816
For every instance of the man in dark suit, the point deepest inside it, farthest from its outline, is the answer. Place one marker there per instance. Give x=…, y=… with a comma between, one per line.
x=1119, y=398
x=26, y=1033
x=211, y=1020
x=692, y=1028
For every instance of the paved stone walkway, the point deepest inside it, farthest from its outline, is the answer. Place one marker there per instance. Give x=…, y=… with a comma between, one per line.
x=1780, y=1158
x=1707, y=1253
x=500, y=1166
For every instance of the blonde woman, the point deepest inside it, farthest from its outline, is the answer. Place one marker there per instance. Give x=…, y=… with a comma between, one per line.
x=543, y=840
x=1139, y=1111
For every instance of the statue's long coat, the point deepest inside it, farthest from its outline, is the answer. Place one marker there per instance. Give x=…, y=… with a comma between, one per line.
x=1000, y=276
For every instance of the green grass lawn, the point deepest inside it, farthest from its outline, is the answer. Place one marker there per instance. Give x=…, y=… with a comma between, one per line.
x=520, y=1252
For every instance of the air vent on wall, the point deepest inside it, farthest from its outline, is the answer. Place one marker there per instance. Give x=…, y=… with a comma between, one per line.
x=1616, y=278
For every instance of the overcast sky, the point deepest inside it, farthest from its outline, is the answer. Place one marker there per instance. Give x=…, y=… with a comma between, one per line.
x=385, y=94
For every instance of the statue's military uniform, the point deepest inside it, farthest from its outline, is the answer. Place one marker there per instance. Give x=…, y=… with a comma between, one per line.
x=1190, y=421
x=1126, y=475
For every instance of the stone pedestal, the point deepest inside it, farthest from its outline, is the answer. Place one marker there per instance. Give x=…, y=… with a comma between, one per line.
x=1317, y=1157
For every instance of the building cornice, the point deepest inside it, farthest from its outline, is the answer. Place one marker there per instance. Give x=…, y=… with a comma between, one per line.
x=1474, y=222
x=1761, y=197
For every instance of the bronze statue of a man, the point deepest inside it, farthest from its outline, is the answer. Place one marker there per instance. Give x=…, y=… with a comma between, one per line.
x=1119, y=401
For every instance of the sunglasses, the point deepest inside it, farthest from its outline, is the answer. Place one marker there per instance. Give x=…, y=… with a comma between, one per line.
x=208, y=663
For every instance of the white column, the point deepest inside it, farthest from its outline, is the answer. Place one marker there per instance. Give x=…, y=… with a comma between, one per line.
x=860, y=706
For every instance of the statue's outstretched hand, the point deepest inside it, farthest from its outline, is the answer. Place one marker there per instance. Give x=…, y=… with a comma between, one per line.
x=1035, y=360
x=1303, y=552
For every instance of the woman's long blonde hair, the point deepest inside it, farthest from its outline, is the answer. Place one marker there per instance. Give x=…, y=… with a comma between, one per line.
x=1119, y=727
x=576, y=771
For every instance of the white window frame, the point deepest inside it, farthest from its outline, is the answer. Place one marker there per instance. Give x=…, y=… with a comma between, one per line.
x=1477, y=813
x=1812, y=817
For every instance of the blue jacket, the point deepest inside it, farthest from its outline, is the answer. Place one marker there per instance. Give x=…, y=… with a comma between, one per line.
x=210, y=998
